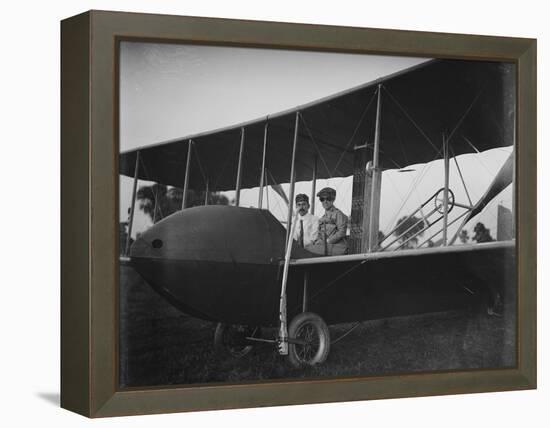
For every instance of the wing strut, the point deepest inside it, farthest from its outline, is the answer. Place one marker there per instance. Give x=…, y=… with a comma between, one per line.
x=262, y=175
x=187, y=169
x=374, y=205
x=206, y=191
x=292, y=176
x=133, y=206
x=462, y=179
x=313, y=184
x=239, y=170
x=446, y=189
x=373, y=181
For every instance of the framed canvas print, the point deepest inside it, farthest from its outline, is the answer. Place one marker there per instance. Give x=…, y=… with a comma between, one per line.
x=262, y=213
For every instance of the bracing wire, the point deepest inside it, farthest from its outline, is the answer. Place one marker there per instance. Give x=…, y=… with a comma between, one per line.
x=464, y=116
x=395, y=189
x=224, y=167
x=478, y=160
x=414, y=183
x=196, y=150
x=363, y=114
x=428, y=139
x=461, y=177
x=471, y=144
x=353, y=327
x=315, y=145
x=425, y=168
x=408, y=116
x=401, y=144
x=155, y=192
x=332, y=282
x=277, y=203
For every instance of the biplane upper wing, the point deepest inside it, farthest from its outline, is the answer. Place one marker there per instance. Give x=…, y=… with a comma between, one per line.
x=471, y=102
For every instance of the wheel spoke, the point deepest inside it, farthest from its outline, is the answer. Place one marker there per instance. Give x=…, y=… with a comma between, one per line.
x=309, y=335
x=309, y=338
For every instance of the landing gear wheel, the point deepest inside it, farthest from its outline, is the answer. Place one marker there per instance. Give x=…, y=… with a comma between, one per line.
x=232, y=338
x=309, y=340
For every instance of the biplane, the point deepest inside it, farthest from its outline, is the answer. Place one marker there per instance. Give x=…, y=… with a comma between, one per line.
x=239, y=266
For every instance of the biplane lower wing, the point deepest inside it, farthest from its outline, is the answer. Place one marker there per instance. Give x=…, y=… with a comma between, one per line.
x=385, y=284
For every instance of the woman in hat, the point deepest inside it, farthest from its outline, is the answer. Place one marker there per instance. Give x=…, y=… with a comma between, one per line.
x=331, y=239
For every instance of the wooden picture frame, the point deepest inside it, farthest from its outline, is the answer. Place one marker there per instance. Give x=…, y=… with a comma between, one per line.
x=89, y=130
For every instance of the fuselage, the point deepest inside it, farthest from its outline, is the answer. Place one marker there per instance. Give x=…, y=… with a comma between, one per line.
x=216, y=262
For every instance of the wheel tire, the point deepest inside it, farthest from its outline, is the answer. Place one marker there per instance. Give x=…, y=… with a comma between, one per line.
x=231, y=338
x=311, y=328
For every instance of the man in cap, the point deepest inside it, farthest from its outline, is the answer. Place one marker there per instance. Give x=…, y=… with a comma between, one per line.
x=306, y=229
x=331, y=238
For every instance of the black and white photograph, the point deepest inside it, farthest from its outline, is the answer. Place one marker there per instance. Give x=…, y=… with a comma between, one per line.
x=293, y=214
x=275, y=214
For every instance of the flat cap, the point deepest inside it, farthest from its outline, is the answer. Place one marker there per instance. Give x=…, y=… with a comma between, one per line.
x=327, y=192
x=301, y=197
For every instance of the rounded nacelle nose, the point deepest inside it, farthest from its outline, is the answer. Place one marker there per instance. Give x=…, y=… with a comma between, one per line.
x=215, y=262
x=214, y=233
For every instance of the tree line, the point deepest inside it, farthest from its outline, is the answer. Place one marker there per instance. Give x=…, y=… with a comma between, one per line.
x=158, y=201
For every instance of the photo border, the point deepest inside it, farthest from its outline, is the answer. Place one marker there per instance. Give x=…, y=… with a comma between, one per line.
x=89, y=211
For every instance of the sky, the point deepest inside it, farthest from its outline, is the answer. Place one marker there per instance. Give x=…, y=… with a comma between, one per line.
x=168, y=91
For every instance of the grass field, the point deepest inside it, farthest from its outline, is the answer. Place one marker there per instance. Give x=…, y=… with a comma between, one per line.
x=159, y=345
